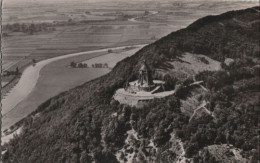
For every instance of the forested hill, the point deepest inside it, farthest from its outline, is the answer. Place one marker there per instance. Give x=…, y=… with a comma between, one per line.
x=85, y=124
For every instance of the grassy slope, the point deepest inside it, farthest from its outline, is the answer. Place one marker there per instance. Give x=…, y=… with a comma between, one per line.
x=69, y=127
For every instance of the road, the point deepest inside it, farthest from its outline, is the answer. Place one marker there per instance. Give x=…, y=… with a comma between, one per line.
x=30, y=77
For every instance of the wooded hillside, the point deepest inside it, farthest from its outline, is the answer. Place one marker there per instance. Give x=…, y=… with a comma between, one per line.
x=85, y=124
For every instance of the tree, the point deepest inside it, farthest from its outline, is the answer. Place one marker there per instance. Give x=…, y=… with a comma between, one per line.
x=170, y=81
x=24, y=28
x=16, y=71
x=191, y=149
x=204, y=60
x=73, y=64
x=80, y=65
x=32, y=29
x=5, y=34
x=33, y=60
x=17, y=27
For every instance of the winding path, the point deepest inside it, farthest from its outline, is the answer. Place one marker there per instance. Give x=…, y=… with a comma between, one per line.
x=30, y=77
x=203, y=104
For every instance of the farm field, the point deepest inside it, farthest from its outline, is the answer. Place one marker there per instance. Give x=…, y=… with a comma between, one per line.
x=88, y=26
x=78, y=38
x=188, y=11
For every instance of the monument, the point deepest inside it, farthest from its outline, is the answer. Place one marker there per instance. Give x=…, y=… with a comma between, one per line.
x=145, y=81
x=145, y=88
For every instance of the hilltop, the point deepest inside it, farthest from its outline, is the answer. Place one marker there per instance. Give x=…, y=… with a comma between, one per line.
x=196, y=124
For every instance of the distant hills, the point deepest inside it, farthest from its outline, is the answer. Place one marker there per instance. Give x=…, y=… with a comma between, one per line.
x=85, y=124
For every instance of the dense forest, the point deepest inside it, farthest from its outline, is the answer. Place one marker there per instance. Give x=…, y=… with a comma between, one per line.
x=85, y=124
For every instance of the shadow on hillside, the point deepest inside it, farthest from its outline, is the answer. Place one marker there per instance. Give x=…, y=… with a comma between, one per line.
x=166, y=66
x=169, y=66
x=180, y=60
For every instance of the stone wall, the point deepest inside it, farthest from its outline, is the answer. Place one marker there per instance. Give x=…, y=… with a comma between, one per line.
x=132, y=100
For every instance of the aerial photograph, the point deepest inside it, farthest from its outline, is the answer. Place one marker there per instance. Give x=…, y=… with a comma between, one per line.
x=130, y=81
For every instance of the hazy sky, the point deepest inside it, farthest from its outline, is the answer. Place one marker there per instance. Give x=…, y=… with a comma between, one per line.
x=25, y=2
x=53, y=1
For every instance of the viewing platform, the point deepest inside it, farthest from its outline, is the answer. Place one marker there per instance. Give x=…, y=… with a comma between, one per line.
x=139, y=92
x=140, y=98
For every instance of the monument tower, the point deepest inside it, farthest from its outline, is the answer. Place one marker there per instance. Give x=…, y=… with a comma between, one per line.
x=145, y=75
x=145, y=80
